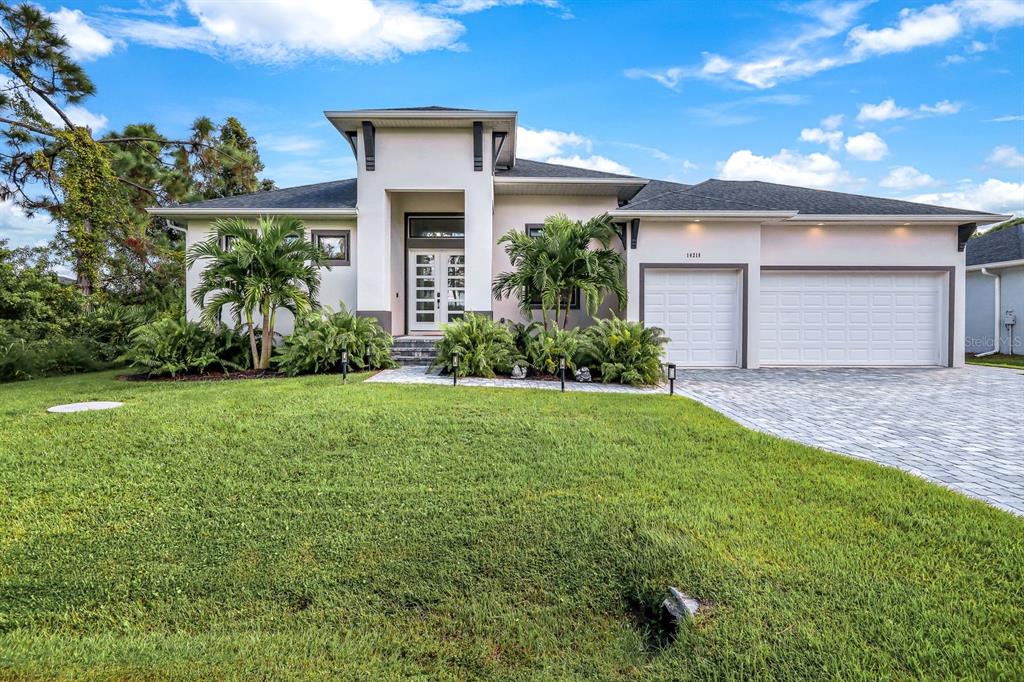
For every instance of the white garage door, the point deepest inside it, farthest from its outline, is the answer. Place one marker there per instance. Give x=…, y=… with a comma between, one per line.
x=852, y=318
x=699, y=311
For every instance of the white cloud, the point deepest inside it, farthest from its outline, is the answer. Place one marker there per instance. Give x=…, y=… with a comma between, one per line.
x=471, y=6
x=832, y=122
x=916, y=28
x=1008, y=156
x=557, y=146
x=282, y=31
x=867, y=147
x=85, y=43
x=786, y=167
x=290, y=144
x=883, y=111
x=906, y=178
x=942, y=108
x=1007, y=119
x=307, y=171
x=992, y=14
x=992, y=195
x=541, y=144
x=595, y=162
x=21, y=229
x=833, y=138
x=887, y=110
x=808, y=50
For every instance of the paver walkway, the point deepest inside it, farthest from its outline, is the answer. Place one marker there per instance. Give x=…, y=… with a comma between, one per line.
x=963, y=428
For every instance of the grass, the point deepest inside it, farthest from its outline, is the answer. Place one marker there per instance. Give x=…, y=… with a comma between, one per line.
x=298, y=528
x=998, y=360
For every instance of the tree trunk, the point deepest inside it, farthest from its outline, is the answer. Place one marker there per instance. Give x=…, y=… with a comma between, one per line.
x=265, y=345
x=252, y=341
x=83, y=271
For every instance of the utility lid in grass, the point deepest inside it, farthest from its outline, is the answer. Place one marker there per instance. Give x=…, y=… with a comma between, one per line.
x=84, y=407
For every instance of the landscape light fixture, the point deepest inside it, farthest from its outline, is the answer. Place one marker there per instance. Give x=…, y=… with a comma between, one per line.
x=561, y=369
x=671, y=378
x=455, y=369
x=344, y=365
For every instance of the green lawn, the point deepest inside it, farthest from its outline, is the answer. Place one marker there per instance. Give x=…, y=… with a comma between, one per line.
x=298, y=528
x=998, y=360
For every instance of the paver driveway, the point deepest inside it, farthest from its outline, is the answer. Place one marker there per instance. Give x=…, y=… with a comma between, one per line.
x=963, y=428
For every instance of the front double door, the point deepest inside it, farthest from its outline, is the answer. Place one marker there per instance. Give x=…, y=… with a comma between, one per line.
x=437, y=288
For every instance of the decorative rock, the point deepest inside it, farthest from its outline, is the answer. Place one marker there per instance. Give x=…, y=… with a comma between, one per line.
x=84, y=407
x=679, y=605
x=518, y=371
x=583, y=375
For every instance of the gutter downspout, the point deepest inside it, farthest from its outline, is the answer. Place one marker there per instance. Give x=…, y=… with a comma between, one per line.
x=997, y=307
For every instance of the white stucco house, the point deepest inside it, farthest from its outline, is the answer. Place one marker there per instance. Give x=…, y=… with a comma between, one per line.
x=738, y=274
x=995, y=292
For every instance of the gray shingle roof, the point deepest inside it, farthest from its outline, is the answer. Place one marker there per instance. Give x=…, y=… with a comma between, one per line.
x=336, y=194
x=753, y=195
x=525, y=168
x=997, y=247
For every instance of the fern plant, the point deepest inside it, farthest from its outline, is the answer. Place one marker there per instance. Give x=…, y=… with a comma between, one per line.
x=319, y=338
x=623, y=351
x=544, y=350
x=484, y=346
x=174, y=346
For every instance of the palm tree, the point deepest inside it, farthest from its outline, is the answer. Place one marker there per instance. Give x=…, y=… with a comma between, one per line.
x=549, y=267
x=267, y=267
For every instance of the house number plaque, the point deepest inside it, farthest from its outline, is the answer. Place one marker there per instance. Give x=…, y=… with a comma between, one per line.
x=693, y=254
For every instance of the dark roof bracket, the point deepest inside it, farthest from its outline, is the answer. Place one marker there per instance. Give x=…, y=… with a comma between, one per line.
x=498, y=138
x=478, y=145
x=963, y=233
x=369, y=145
x=634, y=232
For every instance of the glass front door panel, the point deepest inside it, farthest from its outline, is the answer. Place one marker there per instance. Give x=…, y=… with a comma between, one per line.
x=437, y=288
x=425, y=288
x=456, y=285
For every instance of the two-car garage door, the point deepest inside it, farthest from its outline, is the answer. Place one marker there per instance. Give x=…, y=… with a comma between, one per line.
x=805, y=317
x=851, y=318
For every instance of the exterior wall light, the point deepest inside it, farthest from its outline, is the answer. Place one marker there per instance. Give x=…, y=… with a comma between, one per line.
x=561, y=369
x=671, y=378
x=344, y=365
x=455, y=369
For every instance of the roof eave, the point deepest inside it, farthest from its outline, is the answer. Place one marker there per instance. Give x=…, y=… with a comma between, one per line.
x=185, y=212
x=700, y=215
x=996, y=265
x=507, y=180
x=889, y=218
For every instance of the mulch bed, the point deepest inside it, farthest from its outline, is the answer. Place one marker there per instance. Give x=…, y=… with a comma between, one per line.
x=212, y=376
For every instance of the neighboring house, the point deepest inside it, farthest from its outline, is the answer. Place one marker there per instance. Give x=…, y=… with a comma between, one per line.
x=737, y=273
x=995, y=288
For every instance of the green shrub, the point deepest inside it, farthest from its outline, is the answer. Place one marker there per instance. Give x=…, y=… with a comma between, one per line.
x=626, y=352
x=484, y=346
x=318, y=339
x=27, y=358
x=542, y=349
x=174, y=346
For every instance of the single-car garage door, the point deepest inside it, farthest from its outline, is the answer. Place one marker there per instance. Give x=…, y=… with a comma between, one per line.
x=852, y=318
x=699, y=311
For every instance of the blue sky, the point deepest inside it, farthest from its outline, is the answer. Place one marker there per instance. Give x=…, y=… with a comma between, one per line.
x=906, y=99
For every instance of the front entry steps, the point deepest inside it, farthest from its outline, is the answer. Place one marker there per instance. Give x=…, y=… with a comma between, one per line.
x=415, y=350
